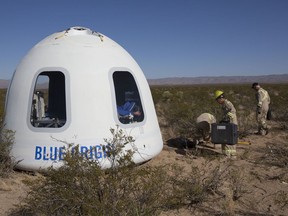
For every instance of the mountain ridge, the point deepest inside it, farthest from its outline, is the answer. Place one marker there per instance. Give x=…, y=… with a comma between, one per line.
x=275, y=78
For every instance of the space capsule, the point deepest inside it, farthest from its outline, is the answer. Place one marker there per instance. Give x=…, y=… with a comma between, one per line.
x=70, y=89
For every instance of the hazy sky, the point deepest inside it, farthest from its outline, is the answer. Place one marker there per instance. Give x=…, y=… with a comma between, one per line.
x=168, y=38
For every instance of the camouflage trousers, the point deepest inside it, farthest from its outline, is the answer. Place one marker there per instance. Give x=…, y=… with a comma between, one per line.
x=261, y=116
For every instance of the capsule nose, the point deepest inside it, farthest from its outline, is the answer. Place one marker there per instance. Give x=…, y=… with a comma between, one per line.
x=78, y=30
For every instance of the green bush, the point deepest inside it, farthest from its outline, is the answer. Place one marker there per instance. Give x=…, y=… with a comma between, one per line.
x=2, y=102
x=81, y=187
x=6, y=142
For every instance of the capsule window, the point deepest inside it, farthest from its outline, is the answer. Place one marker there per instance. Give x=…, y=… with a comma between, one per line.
x=48, y=108
x=128, y=101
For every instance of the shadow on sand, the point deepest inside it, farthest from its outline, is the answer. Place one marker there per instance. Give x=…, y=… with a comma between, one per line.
x=184, y=146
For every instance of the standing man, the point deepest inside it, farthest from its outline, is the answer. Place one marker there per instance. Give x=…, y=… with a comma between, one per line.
x=263, y=101
x=229, y=116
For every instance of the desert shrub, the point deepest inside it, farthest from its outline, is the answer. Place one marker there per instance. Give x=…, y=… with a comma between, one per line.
x=2, y=102
x=92, y=191
x=237, y=184
x=276, y=154
x=222, y=183
x=200, y=185
x=278, y=94
x=81, y=187
x=6, y=142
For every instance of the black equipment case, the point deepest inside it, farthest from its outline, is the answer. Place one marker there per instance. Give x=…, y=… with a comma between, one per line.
x=224, y=133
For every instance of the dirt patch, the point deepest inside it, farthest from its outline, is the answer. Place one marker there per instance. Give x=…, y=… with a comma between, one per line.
x=13, y=190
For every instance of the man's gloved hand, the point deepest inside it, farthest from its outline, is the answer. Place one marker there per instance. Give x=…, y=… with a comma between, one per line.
x=230, y=115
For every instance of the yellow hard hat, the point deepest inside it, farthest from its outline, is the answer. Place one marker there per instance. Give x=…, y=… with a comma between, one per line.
x=218, y=93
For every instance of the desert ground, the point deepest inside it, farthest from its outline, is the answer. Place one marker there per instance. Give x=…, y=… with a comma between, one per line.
x=261, y=182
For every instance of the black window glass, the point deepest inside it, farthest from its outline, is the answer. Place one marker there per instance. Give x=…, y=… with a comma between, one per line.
x=48, y=108
x=129, y=106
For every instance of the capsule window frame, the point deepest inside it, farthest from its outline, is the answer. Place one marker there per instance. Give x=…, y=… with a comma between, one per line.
x=59, y=91
x=125, y=90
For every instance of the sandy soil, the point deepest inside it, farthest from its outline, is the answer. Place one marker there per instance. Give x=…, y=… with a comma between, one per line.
x=261, y=181
x=12, y=190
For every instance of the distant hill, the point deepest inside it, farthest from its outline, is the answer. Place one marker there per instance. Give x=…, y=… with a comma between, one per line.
x=278, y=78
x=4, y=84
